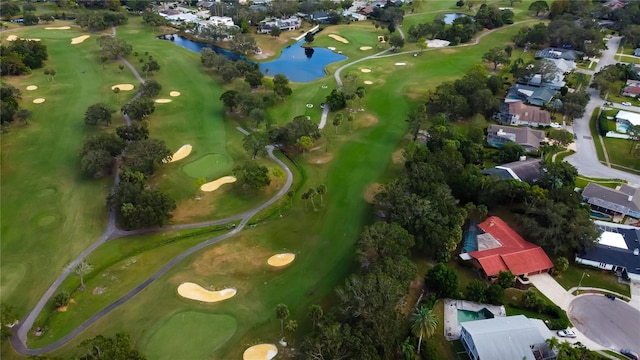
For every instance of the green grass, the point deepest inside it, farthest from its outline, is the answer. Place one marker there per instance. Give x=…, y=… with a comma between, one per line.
x=618, y=150
x=593, y=126
x=209, y=166
x=50, y=213
x=190, y=335
x=582, y=182
x=596, y=278
x=616, y=355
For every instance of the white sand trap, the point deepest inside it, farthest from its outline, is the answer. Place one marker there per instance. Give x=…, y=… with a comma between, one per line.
x=79, y=39
x=331, y=48
x=196, y=292
x=163, y=101
x=260, y=352
x=123, y=87
x=339, y=38
x=215, y=184
x=401, y=64
x=174, y=93
x=368, y=82
x=38, y=101
x=12, y=38
x=436, y=43
x=365, y=70
x=364, y=48
x=32, y=87
x=182, y=153
x=30, y=39
x=281, y=259
x=58, y=28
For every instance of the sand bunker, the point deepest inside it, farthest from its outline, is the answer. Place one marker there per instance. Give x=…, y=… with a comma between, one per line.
x=123, y=87
x=174, y=93
x=214, y=185
x=281, y=259
x=196, y=292
x=38, y=101
x=79, y=39
x=339, y=38
x=260, y=352
x=365, y=70
x=368, y=82
x=12, y=38
x=182, y=153
x=163, y=101
x=401, y=64
x=364, y=48
x=435, y=43
x=331, y=48
x=58, y=28
x=31, y=87
x=30, y=39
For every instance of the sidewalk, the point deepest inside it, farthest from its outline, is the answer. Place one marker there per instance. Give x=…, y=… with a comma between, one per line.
x=551, y=289
x=635, y=294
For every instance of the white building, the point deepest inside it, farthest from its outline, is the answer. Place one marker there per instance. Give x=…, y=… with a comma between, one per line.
x=627, y=118
x=289, y=24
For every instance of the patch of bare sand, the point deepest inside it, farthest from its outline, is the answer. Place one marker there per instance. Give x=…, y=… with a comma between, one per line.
x=38, y=101
x=365, y=70
x=214, y=185
x=339, y=38
x=196, y=292
x=79, y=39
x=32, y=87
x=366, y=120
x=398, y=157
x=123, y=87
x=368, y=82
x=58, y=28
x=371, y=192
x=182, y=153
x=365, y=48
x=12, y=38
x=174, y=93
x=279, y=260
x=260, y=352
x=319, y=158
x=163, y=101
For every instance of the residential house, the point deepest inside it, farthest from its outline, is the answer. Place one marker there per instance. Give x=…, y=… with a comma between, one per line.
x=558, y=53
x=626, y=119
x=631, y=91
x=564, y=66
x=218, y=21
x=506, y=338
x=354, y=15
x=533, y=95
x=500, y=248
x=636, y=52
x=617, y=249
x=624, y=201
x=517, y=113
x=320, y=17
x=527, y=170
x=288, y=24
x=367, y=10
x=204, y=4
x=530, y=139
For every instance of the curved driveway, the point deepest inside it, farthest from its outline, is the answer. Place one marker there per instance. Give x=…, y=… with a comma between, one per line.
x=613, y=324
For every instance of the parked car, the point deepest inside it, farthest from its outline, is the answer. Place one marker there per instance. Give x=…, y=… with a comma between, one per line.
x=630, y=354
x=626, y=103
x=566, y=333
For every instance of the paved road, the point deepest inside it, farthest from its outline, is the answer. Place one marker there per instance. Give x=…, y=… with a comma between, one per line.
x=20, y=331
x=612, y=324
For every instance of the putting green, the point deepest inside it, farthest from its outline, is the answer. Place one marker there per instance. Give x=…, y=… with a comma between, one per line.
x=189, y=335
x=210, y=166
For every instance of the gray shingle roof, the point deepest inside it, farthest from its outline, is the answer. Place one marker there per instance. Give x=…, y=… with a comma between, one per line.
x=617, y=256
x=612, y=196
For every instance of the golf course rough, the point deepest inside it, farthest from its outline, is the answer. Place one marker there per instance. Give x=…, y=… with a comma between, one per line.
x=215, y=184
x=260, y=352
x=281, y=259
x=196, y=292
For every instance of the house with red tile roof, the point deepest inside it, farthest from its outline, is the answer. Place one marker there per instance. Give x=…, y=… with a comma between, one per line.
x=500, y=248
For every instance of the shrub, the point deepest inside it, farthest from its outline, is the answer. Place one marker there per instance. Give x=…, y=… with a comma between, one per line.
x=62, y=299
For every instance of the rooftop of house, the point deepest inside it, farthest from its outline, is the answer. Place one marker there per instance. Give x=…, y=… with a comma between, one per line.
x=631, y=89
x=626, y=197
x=616, y=246
x=558, y=53
x=514, y=253
x=522, y=135
x=528, y=113
x=633, y=118
x=526, y=92
x=507, y=338
x=527, y=170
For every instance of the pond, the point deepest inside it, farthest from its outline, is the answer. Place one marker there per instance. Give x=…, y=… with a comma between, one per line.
x=448, y=18
x=297, y=63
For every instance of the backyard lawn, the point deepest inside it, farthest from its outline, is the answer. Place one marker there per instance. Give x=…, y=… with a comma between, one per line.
x=596, y=278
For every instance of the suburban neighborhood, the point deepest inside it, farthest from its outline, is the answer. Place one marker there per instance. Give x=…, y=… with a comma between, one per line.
x=320, y=179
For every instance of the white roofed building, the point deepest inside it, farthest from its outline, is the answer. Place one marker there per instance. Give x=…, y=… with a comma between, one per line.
x=628, y=118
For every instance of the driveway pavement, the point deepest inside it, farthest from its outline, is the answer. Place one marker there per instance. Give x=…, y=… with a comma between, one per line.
x=635, y=296
x=548, y=286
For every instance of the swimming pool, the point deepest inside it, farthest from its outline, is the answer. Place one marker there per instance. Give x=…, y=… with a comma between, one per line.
x=467, y=315
x=599, y=215
x=470, y=238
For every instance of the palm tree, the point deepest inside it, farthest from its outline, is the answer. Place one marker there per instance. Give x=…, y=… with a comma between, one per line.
x=290, y=195
x=305, y=196
x=116, y=90
x=312, y=193
x=81, y=270
x=423, y=323
x=315, y=314
x=291, y=327
x=553, y=343
x=282, y=313
x=408, y=350
x=337, y=120
x=321, y=190
x=350, y=119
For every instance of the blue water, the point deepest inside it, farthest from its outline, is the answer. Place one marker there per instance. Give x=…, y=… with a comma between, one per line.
x=448, y=18
x=623, y=128
x=467, y=315
x=294, y=62
x=470, y=239
x=300, y=66
x=597, y=215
